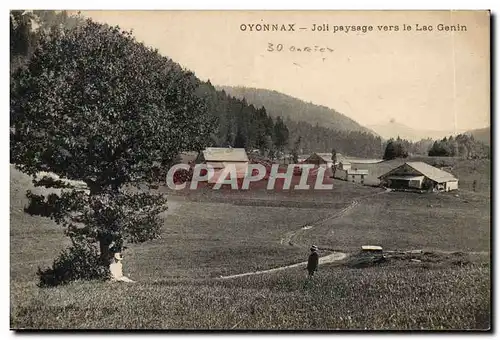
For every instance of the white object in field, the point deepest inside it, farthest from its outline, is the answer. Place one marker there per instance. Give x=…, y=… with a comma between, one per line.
x=116, y=269
x=416, y=251
x=306, y=227
x=372, y=248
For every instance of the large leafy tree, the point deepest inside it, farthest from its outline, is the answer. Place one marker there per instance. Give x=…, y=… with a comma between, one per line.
x=95, y=105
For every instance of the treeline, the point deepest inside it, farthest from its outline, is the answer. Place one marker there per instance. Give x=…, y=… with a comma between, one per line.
x=26, y=27
x=241, y=125
x=320, y=139
x=245, y=126
x=462, y=145
x=411, y=148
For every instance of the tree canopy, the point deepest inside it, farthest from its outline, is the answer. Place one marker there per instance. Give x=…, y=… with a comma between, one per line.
x=463, y=145
x=395, y=149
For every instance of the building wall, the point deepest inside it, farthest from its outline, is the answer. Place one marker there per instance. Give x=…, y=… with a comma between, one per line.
x=241, y=170
x=397, y=183
x=340, y=174
x=343, y=166
x=415, y=183
x=353, y=178
x=343, y=175
x=356, y=178
x=452, y=185
x=403, y=170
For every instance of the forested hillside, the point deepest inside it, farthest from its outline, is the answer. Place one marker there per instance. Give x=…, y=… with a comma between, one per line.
x=320, y=139
x=482, y=135
x=279, y=104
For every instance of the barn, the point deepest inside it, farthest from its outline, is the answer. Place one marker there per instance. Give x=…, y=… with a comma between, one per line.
x=419, y=176
x=220, y=158
x=317, y=159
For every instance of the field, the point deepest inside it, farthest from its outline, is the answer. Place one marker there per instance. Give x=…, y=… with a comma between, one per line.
x=208, y=234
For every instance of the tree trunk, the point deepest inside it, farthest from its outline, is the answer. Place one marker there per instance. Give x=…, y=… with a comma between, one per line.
x=106, y=255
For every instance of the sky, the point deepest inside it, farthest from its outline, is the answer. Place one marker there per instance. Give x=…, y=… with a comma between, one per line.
x=432, y=80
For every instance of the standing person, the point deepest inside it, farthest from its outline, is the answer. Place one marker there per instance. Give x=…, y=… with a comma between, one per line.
x=312, y=263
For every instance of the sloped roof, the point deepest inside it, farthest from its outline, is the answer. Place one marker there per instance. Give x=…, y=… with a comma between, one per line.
x=225, y=155
x=326, y=156
x=186, y=157
x=432, y=172
x=429, y=171
x=407, y=178
x=357, y=172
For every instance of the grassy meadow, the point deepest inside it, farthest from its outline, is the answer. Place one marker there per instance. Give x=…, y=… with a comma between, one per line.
x=208, y=234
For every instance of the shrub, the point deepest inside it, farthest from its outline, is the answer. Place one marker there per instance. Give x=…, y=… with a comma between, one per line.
x=81, y=261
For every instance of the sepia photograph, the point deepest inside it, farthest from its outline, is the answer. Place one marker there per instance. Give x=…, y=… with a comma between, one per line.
x=250, y=170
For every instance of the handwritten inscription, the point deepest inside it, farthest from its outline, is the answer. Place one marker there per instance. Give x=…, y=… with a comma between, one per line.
x=272, y=47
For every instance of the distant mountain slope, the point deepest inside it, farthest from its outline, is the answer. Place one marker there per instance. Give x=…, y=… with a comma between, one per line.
x=279, y=104
x=394, y=129
x=482, y=135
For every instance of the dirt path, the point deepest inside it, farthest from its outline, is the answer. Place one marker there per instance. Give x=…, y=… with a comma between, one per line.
x=288, y=238
x=338, y=256
x=322, y=260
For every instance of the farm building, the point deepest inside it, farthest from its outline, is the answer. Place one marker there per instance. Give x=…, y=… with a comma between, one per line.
x=419, y=176
x=220, y=158
x=344, y=165
x=317, y=158
x=351, y=175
